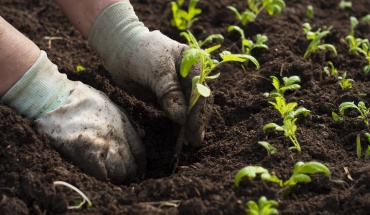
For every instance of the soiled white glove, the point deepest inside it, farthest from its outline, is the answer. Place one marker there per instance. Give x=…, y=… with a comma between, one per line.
x=96, y=135
x=137, y=57
x=86, y=126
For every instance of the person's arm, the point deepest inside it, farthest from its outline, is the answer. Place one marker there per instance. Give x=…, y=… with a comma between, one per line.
x=17, y=54
x=83, y=13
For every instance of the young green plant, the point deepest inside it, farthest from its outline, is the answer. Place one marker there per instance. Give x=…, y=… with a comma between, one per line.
x=289, y=128
x=345, y=4
x=248, y=45
x=330, y=70
x=300, y=174
x=288, y=109
x=361, y=108
x=196, y=55
x=264, y=207
x=362, y=47
x=345, y=84
x=289, y=83
x=269, y=148
x=316, y=38
x=273, y=8
x=309, y=12
x=183, y=19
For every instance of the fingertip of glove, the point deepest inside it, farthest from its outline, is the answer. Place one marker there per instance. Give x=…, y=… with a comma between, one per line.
x=174, y=106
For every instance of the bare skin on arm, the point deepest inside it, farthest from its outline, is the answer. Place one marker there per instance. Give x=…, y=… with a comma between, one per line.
x=14, y=44
x=82, y=13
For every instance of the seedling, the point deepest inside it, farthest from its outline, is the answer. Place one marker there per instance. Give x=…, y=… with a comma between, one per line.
x=345, y=84
x=361, y=108
x=367, y=152
x=300, y=174
x=354, y=22
x=269, y=148
x=289, y=84
x=345, y=4
x=289, y=127
x=196, y=55
x=287, y=110
x=210, y=39
x=309, y=12
x=362, y=47
x=273, y=8
x=248, y=45
x=80, y=68
x=252, y=171
x=358, y=146
x=264, y=207
x=336, y=117
x=316, y=38
x=366, y=18
x=85, y=199
x=330, y=70
x=183, y=19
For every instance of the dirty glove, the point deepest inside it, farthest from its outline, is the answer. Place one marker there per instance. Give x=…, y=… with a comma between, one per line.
x=86, y=126
x=137, y=57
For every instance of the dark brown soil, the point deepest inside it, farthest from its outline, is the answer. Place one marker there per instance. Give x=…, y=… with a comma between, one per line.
x=201, y=181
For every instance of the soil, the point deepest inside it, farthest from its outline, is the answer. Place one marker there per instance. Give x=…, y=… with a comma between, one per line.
x=202, y=180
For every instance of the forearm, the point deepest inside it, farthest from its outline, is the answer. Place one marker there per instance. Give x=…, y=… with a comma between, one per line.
x=82, y=13
x=17, y=54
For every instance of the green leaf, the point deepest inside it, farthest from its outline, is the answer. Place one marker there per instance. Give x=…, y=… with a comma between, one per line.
x=335, y=116
x=212, y=77
x=236, y=12
x=194, y=81
x=213, y=48
x=297, y=178
x=346, y=105
x=250, y=172
x=330, y=47
x=312, y=168
x=203, y=90
x=275, y=82
x=270, y=148
x=358, y=146
x=238, y=29
x=291, y=80
x=191, y=57
x=274, y=126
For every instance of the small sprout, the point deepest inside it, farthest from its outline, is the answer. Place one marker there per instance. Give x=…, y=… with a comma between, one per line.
x=85, y=199
x=362, y=47
x=366, y=18
x=367, y=152
x=196, y=55
x=330, y=70
x=289, y=84
x=362, y=94
x=287, y=110
x=252, y=171
x=300, y=172
x=361, y=108
x=358, y=146
x=264, y=207
x=316, y=40
x=273, y=8
x=248, y=45
x=336, y=117
x=345, y=84
x=270, y=148
x=289, y=129
x=309, y=12
x=183, y=19
x=354, y=22
x=80, y=68
x=345, y=4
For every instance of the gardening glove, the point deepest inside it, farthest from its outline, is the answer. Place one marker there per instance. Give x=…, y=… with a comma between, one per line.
x=137, y=58
x=86, y=126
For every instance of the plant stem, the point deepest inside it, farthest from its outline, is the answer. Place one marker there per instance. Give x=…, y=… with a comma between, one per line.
x=85, y=199
x=294, y=140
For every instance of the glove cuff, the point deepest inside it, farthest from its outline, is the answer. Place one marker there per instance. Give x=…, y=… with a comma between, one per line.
x=40, y=90
x=116, y=32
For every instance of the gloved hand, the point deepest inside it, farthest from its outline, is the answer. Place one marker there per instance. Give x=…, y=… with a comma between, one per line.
x=137, y=57
x=86, y=126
